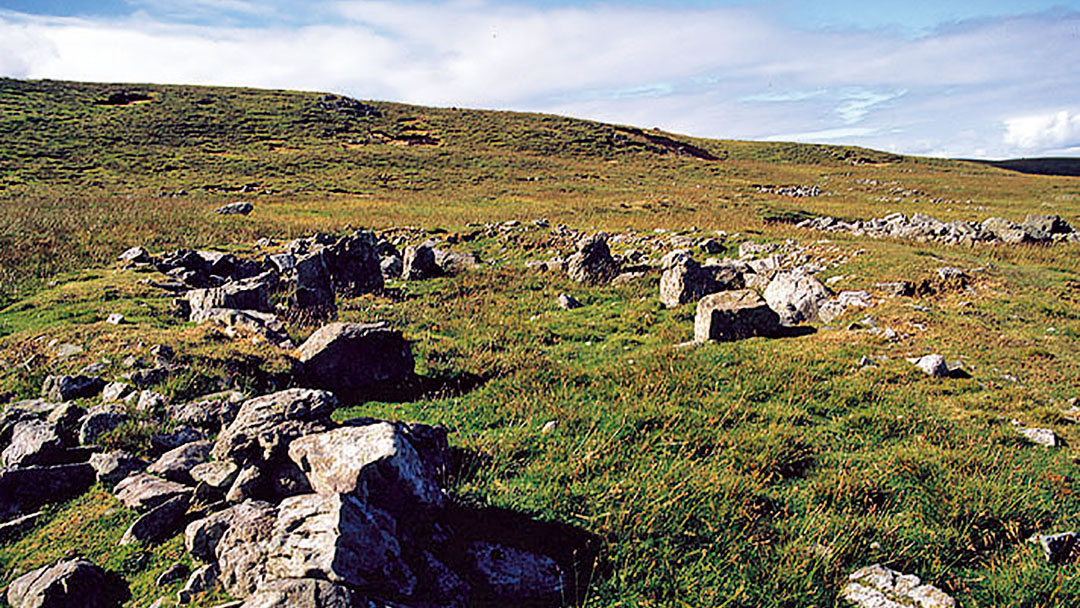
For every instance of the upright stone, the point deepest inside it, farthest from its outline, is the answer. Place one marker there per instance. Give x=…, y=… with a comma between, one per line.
x=734, y=315
x=592, y=262
x=419, y=263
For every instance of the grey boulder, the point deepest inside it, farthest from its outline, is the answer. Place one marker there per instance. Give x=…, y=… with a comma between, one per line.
x=349, y=357
x=734, y=315
x=176, y=464
x=301, y=593
x=73, y=583
x=796, y=296
x=142, y=492
x=66, y=388
x=592, y=262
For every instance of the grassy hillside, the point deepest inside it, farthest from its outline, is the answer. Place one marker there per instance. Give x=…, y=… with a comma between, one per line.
x=757, y=473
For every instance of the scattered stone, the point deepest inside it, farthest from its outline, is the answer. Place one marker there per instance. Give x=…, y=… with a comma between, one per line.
x=569, y=302
x=592, y=262
x=151, y=402
x=249, y=294
x=932, y=365
x=176, y=572
x=263, y=325
x=353, y=264
x=350, y=357
x=73, y=583
x=66, y=388
x=835, y=307
x=115, y=392
x=135, y=255
x=176, y=464
x=734, y=315
x=1057, y=548
x=143, y=378
x=159, y=523
x=419, y=263
x=1043, y=437
x=453, y=262
x=209, y=412
x=237, y=208
x=796, y=297
x=313, y=287
x=897, y=289
x=879, y=587
x=164, y=442
x=25, y=489
x=143, y=492
x=113, y=467
x=919, y=227
x=115, y=319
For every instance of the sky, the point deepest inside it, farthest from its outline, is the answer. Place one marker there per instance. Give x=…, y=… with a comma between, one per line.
x=970, y=79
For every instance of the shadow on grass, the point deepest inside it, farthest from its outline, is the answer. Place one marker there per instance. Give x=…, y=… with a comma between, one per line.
x=417, y=387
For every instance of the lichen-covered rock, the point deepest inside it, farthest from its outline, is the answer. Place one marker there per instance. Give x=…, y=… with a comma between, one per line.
x=796, y=297
x=99, y=420
x=241, y=548
x=684, y=280
x=159, y=523
x=66, y=388
x=113, y=467
x=73, y=583
x=143, y=492
x=734, y=315
x=350, y=357
x=201, y=536
x=176, y=464
x=879, y=587
x=248, y=294
x=336, y=538
x=33, y=442
x=301, y=593
x=265, y=425
x=376, y=462
x=509, y=576
x=419, y=263
x=592, y=262
x=932, y=365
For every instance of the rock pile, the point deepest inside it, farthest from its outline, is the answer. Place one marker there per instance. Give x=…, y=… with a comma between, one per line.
x=919, y=227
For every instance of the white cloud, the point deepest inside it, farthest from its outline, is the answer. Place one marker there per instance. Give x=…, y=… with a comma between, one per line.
x=1054, y=130
x=714, y=72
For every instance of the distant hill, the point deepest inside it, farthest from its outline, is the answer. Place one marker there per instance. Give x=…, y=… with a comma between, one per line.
x=1068, y=167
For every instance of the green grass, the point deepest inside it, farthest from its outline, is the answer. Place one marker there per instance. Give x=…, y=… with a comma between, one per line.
x=759, y=473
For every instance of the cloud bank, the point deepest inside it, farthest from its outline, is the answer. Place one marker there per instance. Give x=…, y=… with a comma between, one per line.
x=994, y=87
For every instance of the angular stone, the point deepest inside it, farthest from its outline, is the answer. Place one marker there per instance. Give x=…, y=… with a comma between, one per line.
x=263, y=325
x=336, y=538
x=217, y=475
x=136, y=255
x=33, y=442
x=932, y=365
x=835, y=307
x=180, y=436
x=569, y=302
x=301, y=593
x=734, y=315
x=176, y=464
x=176, y=572
x=73, y=583
x=684, y=280
x=419, y=263
x=113, y=467
x=313, y=288
x=592, y=262
x=350, y=357
x=796, y=297
x=143, y=492
x=879, y=587
x=200, y=581
x=99, y=420
x=24, y=490
x=376, y=462
x=1057, y=548
x=66, y=388
x=237, y=208
x=509, y=576
x=265, y=425
x=208, y=412
x=353, y=263
x=159, y=523
x=1044, y=437
x=242, y=548
x=249, y=294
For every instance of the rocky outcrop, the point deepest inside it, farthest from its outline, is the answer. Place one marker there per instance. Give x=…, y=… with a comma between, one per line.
x=592, y=262
x=302, y=593
x=73, y=583
x=33, y=442
x=879, y=587
x=350, y=357
x=919, y=227
x=249, y=294
x=734, y=315
x=684, y=280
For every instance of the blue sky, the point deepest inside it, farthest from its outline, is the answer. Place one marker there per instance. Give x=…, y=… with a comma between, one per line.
x=972, y=79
